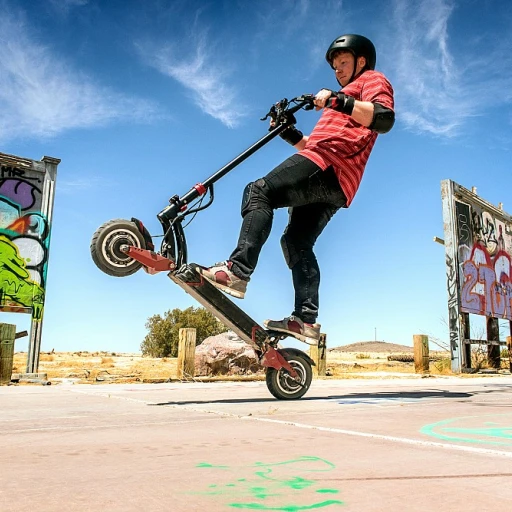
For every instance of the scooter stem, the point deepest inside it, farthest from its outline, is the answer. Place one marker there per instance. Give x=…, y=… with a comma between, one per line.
x=178, y=204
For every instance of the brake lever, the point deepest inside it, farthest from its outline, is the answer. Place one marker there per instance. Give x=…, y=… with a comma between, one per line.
x=309, y=98
x=276, y=110
x=271, y=113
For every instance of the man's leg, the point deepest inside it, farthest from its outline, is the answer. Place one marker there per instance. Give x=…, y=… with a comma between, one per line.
x=295, y=182
x=284, y=186
x=305, y=224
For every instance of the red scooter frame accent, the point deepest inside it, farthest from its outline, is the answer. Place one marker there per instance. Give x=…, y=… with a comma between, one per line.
x=151, y=261
x=154, y=263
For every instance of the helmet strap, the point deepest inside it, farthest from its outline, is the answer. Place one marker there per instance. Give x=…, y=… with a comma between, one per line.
x=354, y=75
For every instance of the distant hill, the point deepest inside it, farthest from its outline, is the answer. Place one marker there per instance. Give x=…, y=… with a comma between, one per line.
x=372, y=346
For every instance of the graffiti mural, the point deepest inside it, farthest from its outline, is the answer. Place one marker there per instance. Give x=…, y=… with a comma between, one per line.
x=478, y=255
x=24, y=237
x=484, y=249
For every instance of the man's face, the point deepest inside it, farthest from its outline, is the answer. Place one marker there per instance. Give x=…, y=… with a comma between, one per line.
x=343, y=64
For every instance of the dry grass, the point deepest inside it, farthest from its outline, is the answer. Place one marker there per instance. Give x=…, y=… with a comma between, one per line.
x=92, y=367
x=89, y=367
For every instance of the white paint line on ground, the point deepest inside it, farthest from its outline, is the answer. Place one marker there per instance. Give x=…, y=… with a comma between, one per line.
x=381, y=437
x=94, y=427
x=368, y=435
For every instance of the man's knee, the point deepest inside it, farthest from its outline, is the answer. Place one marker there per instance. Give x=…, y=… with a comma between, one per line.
x=255, y=196
x=291, y=250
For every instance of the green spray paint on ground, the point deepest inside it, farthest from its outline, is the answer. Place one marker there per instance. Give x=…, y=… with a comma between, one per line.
x=286, y=508
x=473, y=429
x=282, y=486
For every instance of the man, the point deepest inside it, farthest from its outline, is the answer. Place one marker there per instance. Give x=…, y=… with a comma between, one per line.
x=322, y=177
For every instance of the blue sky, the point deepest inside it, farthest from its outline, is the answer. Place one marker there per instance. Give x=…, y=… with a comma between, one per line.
x=141, y=100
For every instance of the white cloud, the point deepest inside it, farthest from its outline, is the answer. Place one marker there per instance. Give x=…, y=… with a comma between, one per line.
x=199, y=72
x=437, y=92
x=41, y=95
x=430, y=97
x=77, y=185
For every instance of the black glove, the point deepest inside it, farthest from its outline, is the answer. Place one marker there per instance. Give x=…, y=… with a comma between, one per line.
x=341, y=102
x=291, y=134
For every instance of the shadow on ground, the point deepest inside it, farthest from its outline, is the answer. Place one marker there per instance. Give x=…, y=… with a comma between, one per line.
x=350, y=397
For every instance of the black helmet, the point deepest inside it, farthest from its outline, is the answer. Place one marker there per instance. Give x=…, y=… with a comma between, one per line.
x=360, y=46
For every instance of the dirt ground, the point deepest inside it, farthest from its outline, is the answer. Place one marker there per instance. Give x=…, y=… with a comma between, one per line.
x=358, y=360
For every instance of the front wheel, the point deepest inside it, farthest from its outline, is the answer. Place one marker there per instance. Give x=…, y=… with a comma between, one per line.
x=283, y=386
x=106, y=246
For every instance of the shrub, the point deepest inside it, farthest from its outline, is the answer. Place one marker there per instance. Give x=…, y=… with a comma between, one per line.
x=163, y=337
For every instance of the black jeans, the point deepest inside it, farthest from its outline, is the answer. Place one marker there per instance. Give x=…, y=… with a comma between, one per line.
x=313, y=196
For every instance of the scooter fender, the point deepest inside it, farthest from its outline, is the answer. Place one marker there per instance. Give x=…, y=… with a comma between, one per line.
x=287, y=352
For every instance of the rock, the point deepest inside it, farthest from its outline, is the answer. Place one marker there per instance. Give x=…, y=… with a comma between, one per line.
x=225, y=354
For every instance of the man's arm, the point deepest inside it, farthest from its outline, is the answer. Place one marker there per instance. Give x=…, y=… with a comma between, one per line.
x=302, y=143
x=372, y=115
x=363, y=112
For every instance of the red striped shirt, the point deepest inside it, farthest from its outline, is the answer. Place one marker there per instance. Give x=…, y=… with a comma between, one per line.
x=340, y=141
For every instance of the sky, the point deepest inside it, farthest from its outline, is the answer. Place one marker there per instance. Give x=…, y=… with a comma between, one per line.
x=142, y=100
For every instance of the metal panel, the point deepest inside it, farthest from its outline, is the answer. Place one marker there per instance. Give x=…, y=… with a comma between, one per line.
x=478, y=243
x=452, y=275
x=27, y=189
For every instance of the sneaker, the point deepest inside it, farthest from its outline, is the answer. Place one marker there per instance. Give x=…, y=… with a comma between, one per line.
x=221, y=277
x=294, y=326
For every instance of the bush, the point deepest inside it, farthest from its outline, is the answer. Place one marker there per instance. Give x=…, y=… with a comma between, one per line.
x=163, y=337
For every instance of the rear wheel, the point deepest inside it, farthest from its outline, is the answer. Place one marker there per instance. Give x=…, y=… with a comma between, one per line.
x=106, y=246
x=283, y=386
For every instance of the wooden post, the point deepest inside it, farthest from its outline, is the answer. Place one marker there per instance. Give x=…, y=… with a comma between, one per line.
x=421, y=353
x=509, y=347
x=186, y=353
x=493, y=351
x=319, y=356
x=7, y=335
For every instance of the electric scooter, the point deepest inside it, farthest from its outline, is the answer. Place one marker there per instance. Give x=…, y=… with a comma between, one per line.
x=122, y=247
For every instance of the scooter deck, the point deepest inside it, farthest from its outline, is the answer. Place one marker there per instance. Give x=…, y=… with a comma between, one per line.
x=221, y=307
x=264, y=342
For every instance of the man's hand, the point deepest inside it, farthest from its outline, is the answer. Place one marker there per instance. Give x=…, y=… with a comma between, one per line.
x=320, y=100
x=335, y=100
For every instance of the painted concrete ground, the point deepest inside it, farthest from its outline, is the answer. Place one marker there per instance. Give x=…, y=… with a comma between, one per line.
x=348, y=445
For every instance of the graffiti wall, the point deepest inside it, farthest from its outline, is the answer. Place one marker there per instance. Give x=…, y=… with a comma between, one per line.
x=484, y=250
x=26, y=198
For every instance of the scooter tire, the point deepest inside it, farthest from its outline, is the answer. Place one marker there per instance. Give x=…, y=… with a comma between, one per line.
x=106, y=247
x=282, y=386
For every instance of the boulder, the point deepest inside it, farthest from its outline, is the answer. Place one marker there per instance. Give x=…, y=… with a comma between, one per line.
x=226, y=354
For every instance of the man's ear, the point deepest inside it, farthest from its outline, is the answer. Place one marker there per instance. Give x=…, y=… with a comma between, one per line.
x=361, y=62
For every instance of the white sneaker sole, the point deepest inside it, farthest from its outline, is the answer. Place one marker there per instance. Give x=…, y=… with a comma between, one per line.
x=301, y=337
x=225, y=289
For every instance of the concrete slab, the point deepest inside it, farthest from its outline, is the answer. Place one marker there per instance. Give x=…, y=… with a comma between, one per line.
x=354, y=445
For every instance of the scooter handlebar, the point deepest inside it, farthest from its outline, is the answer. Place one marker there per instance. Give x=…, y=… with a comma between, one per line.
x=282, y=112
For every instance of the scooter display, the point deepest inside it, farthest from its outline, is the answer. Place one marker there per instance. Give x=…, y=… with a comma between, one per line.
x=122, y=247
